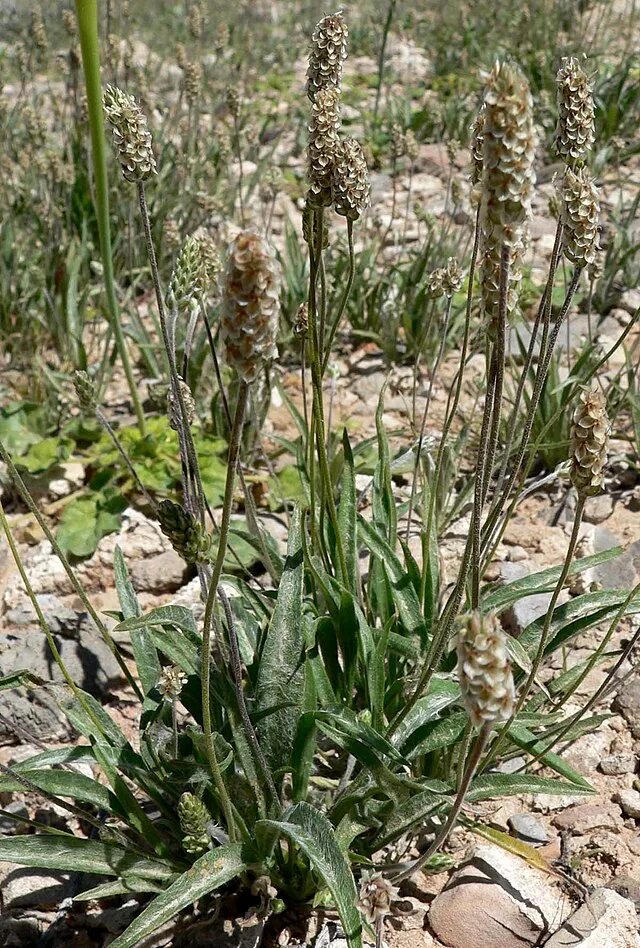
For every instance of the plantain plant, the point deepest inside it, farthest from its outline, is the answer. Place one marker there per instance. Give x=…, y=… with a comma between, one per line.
x=306, y=734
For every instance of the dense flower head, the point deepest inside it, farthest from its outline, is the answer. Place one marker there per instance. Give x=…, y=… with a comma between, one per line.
x=589, y=442
x=484, y=670
x=351, y=186
x=327, y=54
x=575, y=131
x=85, y=391
x=324, y=146
x=376, y=894
x=580, y=217
x=477, y=146
x=250, y=304
x=174, y=405
x=186, y=280
x=194, y=821
x=131, y=136
x=188, y=537
x=508, y=150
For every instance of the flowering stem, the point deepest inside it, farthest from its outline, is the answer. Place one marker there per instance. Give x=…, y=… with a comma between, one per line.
x=447, y=827
x=87, y=13
x=232, y=463
x=425, y=413
x=343, y=301
x=383, y=49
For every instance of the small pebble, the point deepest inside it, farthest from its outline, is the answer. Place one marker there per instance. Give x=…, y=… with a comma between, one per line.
x=528, y=828
x=629, y=801
x=618, y=764
x=9, y=827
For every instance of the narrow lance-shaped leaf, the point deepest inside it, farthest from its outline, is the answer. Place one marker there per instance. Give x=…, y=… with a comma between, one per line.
x=311, y=832
x=280, y=679
x=210, y=872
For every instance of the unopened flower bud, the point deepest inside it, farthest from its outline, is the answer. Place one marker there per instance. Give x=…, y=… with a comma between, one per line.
x=188, y=537
x=194, y=821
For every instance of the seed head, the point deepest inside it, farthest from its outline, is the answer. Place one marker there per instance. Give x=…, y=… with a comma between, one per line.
x=171, y=682
x=194, y=821
x=186, y=280
x=85, y=391
x=196, y=20
x=232, y=99
x=508, y=150
x=484, y=670
x=39, y=33
x=376, y=895
x=301, y=325
x=187, y=536
x=435, y=283
x=351, y=187
x=452, y=279
x=575, y=131
x=69, y=22
x=580, y=216
x=210, y=262
x=192, y=81
x=397, y=141
x=589, y=442
x=131, y=136
x=181, y=55
x=477, y=146
x=174, y=407
x=172, y=233
x=250, y=304
x=324, y=145
x=411, y=144
x=327, y=54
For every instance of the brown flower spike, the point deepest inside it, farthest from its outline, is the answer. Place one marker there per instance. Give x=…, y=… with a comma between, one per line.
x=250, y=304
x=327, y=54
x=351, y=187
x=324, y=147
x=589, y=443
x=575, y=132
x=581, y=217
x=131, y=136
x=484, y=670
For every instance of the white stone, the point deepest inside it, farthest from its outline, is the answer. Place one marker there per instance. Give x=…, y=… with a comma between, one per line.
x=607, y=920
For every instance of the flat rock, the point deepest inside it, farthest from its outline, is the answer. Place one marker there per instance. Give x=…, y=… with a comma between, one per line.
x=496, y=900
x=588, y=817
x=158, y=574
x=606, y=920
x=24, y=887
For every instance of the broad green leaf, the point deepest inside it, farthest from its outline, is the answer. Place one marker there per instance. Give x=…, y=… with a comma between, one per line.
x=308, y=829
x=347, y=515
x=442, y=693
x=493, y=786
x=414, y=811
x=208, y=873
x=280, y=677
x=543, y=581
x=383, y=502
x=438, y=734
x=131, y=886
x=404, y=595
x=78, y=855
x=179, y=616
x=126, y=593
x=343, y=721
x=85, y=724
x=576, y=616
x=86, y=520
x=65, y=783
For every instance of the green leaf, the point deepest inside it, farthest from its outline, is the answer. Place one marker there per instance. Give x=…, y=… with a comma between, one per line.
x=525, y=739
x=20, y=678
x=131, y=886
x=86, y=520
x=494, y=786
x=404, y=595
x=509, y=844
x=576, y=616
x=413, y=812
x=208, y=873
x=280, y=676
x=543, y=581
x=382, y=500
x=436, y=735
x=47, y=453
x=347, y=515
x=78, y=855
x=442, y=693
x=343, y=722
x=64, y=783
x=144, y=651
x=314, y=835
x=179, y=616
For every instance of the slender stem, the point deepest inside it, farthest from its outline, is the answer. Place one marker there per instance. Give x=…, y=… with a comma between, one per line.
x=87, y=13
x=318, y=408
x=447, y=827
x=343, y=301
x=126, y=460
x=100, y=626
x=232, y=462
x=381, y=57
x=236, y=136
x=425, y=414
x=544, y=636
